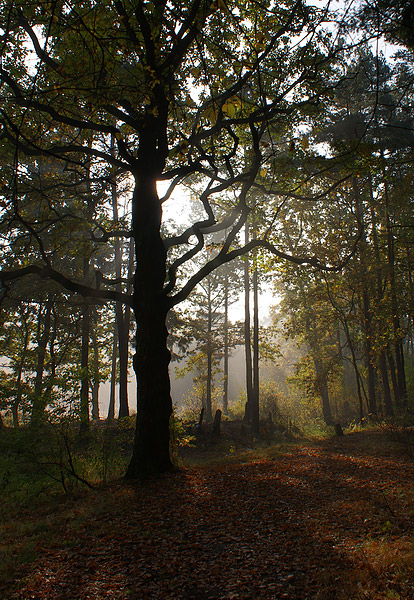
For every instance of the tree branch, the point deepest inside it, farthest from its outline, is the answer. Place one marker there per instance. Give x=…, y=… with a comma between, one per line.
x=66, y=282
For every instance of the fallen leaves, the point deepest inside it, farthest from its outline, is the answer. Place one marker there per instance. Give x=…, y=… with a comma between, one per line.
x=295, y=527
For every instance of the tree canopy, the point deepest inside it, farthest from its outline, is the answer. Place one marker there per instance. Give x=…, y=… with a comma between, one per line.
x=217, y=96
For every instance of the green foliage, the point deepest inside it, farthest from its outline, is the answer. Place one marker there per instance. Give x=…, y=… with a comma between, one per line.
x=270, y=400
x=195, y=399
x=179, y=437
x=222, y=98
x=55, y=458
x=107, y=450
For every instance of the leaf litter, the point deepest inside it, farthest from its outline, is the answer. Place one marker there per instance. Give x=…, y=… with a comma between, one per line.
x=313, y=524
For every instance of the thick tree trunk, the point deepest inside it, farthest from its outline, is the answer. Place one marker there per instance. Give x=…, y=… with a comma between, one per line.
x=151, y=452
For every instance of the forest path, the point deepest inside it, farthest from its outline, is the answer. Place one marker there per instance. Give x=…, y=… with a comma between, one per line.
x=328, y=521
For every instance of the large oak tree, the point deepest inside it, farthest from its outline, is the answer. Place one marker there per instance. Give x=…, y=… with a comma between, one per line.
x=193, y=89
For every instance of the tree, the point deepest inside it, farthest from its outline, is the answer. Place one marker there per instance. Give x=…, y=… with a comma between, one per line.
x=182, y=88
x=204, y=335
x=390, y=18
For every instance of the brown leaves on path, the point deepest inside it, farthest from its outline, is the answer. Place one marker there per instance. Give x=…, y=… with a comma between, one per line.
x=309, y=525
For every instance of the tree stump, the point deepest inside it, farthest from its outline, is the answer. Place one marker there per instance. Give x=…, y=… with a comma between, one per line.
x=217, y=422
x=338, y=430
x=200, y=418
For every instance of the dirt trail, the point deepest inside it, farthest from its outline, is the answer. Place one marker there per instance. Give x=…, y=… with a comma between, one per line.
x=310, y=525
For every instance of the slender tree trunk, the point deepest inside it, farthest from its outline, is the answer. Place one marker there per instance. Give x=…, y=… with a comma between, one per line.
x=122, y=324
x=382, y=359
x=226, y=344
x=96, y=380
x=19, y=385
x=382, y=363
x=356, y=370
x=411, y=300
x=372, y=400
x=39, y=401
x=247, y=334
x=151, y=452
x=123, y=346
x=368, y=352
x=256, y=380
x=393, y=374
x=366, y=305
x=85, y=330
x=323, y=390
x=112, y=391
x=398, y=347
x=84, y=391
x=209, y=411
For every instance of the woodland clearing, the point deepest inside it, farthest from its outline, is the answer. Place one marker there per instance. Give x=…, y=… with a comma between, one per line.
x=322, y=520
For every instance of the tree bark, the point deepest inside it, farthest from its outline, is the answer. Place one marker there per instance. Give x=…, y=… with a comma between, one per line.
x=122, y=318
x=247, y=335
x=96, y=377
x=355, y=365
x=323, y=390
x=393, y=374
x=112, y=390
x=123, y=347
x=401, y=386
x=382, y=358
x=226, y=344
x=39, y=401
x=255, y=412
x=84, y=391
x=366, y=304
x=217, y=422
x=209, y=411
x=20, y=367
x=154, y=405
x=382, y=363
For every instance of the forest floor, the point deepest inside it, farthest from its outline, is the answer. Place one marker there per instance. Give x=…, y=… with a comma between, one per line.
x=323, y=520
